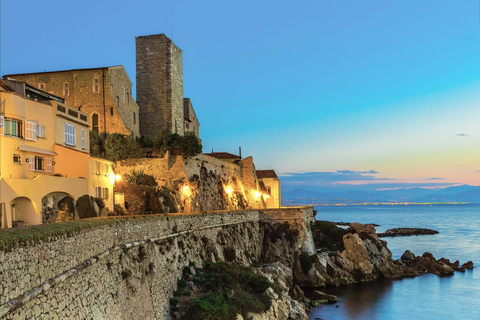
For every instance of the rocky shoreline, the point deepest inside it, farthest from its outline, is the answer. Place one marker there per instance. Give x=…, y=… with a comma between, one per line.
x=342, y=257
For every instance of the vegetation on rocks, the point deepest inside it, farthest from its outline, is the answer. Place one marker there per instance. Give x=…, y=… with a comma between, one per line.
x=220, y=291
x=327, y=236
x=188, y=145
x=120, y=147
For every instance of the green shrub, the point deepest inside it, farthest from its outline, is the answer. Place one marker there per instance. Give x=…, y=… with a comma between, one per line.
x=140, y=178
x=145, y=142
x=173, y=301
x=189, y=145
x=119, y=147
x=328, y=235
x=97, y=144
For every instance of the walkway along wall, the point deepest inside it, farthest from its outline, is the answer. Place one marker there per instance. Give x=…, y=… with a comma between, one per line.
x=129, y=269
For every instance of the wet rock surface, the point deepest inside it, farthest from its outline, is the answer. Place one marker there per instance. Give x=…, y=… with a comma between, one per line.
x=405, y=232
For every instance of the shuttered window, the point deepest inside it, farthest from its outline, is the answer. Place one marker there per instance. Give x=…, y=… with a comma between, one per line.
x=49, y=165
x=1, y=121
x=105, y=193
x=40, y=131
x=69, y=134
x=30, y=131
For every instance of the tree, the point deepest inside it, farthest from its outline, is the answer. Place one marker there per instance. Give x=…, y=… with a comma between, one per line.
x=119, y=147
x=190, y=145
x=97, y=144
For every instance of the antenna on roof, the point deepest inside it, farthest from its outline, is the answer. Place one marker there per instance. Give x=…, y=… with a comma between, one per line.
x=240, y=152
x=212, y=150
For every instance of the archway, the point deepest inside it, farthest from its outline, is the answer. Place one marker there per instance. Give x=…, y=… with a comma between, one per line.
x=23, y=212
x=95, y=122
x=57, y=207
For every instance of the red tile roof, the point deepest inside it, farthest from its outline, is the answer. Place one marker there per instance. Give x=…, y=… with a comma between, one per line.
x=266, y=174
x=223, y=155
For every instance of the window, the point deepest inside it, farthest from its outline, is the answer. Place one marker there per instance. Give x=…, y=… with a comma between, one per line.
x=17, y=159
x=2, y=119
x=35, y=163
x=12, y=128
x=41, y=131
x=30, y=131
x=123, y=94
x=66, y=90
x=61, y=108
x=97, y=167
x=41, y=86
x=105, y=193
x=95, y=122
x=111, y=111
x=83, y=138
x=72, y=113
x=134, y=118
x=107, y=170
x=96, y=85
x=128, y=98
x=69, y=134
x=101, y=192
x=49, y=165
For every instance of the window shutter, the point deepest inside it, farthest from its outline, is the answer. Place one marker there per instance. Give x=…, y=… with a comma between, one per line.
x=105, y=191
x=28, y=130
x=1, y=121
x=34, y=131
x=31, y=163
x=83, y=138
x=49, y=165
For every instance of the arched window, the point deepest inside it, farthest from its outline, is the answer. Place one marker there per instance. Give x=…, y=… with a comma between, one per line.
x=95, y=122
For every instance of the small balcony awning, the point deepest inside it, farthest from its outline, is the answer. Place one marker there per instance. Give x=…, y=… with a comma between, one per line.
x=36, y=150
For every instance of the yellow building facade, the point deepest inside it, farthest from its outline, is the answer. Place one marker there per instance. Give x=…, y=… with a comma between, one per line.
x=45, y=160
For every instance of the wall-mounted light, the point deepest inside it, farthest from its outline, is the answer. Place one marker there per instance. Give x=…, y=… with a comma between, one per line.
x=229, y=191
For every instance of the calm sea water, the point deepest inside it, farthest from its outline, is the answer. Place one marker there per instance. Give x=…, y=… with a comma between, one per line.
x=424, y=297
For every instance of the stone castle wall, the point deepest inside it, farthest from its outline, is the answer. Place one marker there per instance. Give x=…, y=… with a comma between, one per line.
x=159, y=85
x=129, y=270
x=207, y=178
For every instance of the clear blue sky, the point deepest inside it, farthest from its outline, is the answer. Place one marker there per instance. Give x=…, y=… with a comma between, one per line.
x=302, y=86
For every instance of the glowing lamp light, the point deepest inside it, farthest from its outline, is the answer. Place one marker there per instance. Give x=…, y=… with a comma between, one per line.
x=118, y=177
x=229, y=191
x=257, y=194
x=267, y=196
x=185, y=188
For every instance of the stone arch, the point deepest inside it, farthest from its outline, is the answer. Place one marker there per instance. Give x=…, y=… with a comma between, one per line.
x=58, y=207
x=23, y=212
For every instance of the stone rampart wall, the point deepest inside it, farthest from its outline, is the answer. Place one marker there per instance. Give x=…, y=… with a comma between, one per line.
x=127, y=270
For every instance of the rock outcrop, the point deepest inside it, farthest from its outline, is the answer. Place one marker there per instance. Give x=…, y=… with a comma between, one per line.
x=404, y=232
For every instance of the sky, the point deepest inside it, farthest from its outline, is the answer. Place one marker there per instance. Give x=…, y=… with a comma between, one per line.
x=361, y=92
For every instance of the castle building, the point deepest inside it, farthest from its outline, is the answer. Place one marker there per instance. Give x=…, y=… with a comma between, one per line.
x=105, y=94
x=270, y=186
x=44, y=157
x=160, y=88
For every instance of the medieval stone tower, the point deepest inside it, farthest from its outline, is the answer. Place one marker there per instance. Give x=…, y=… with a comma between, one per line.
x=159, y=85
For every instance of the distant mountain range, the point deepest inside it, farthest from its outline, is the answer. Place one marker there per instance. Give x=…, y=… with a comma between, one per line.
x=463, y=193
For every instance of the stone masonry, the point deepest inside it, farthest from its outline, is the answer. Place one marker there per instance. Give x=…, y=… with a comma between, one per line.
x=159, y=85
x=128, y=270
x=104, y=92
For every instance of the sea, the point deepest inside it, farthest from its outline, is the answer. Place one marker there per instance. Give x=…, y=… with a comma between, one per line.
x=424, y=297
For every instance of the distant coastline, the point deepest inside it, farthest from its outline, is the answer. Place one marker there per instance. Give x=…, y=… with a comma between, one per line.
x=376, y=204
